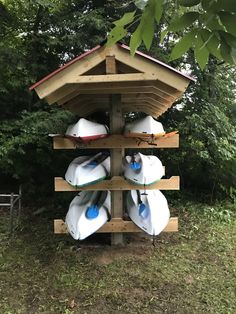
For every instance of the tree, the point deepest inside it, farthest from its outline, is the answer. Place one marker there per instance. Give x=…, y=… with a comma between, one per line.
x=36, y=38
x=206, y=26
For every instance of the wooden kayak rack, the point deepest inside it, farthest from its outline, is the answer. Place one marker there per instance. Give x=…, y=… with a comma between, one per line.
x=110, y=79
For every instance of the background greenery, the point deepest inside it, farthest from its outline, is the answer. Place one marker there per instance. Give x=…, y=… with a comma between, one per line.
x=189, y=271
x=38, y=36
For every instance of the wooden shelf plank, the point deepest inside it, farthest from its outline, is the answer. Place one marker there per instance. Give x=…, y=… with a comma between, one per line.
x=116, y=225
x=116, y=78
x=117, y=183
x=116, y=141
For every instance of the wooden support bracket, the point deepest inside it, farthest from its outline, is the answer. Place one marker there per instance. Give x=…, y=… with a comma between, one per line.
x=116, y=225
x=118, y=183
x=116, y=141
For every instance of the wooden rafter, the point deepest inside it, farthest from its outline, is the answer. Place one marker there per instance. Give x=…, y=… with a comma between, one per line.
x=70, y=91
x=86, y=107
x=164, y=75
x=62, y=78
x=84, y=86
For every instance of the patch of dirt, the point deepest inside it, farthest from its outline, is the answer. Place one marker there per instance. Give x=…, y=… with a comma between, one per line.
x=108, y=255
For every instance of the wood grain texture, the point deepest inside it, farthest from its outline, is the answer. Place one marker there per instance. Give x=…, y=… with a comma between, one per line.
x=116, y=141
x=117, y=225
x=118, y=183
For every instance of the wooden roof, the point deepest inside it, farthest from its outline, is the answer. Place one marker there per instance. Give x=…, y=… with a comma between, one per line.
x=84, y=85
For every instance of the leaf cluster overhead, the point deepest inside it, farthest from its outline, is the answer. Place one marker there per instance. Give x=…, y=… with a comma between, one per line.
x=206, y=26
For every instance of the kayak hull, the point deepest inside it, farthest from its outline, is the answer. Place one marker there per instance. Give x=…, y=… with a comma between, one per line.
x=86, y=130
x=151, y=169
x=157, y=213
x=85, y=170
x=78, y=225
x=145, y=127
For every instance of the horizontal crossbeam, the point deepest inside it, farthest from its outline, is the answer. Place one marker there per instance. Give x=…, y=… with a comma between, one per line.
x=116, y=225
x=117, y=183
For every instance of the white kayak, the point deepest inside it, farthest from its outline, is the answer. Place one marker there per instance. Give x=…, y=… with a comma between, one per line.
x=85, y=170
x=86, y=130
x=142, y=169
x=87, y=213
x=145, y=127
x=148, y=210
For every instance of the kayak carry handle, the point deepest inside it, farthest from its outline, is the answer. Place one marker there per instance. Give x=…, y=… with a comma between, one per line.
x=143, y=210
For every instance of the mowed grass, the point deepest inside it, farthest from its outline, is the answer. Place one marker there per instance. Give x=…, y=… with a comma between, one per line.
x=192, y=271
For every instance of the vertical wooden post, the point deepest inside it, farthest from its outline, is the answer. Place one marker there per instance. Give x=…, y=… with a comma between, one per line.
x=116, y=127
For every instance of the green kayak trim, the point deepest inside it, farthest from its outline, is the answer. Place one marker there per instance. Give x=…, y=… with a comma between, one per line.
x=89, y=183
x=141, y=184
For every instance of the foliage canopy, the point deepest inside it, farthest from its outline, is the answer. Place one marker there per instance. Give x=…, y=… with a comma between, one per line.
x=206, y=26
x=39, y=36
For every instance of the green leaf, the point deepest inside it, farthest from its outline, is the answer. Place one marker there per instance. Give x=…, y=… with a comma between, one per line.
x=213, y=46
x=158, y=10
x=163, y=34
x=183, y=45
x=140, y=4
x=127, y=18
x=212, y=42
x=213, y=22
x=227, y=5
x=229, y=21
x=230, y=39
x=135, y=40
x=233, y=55
x=147, y=24
x=188, y=3
x=201, y=52
x=210, y=5
x=227, y=53
x=148, y=32
x=183, y=21
x=205, y=34
x=117, y=33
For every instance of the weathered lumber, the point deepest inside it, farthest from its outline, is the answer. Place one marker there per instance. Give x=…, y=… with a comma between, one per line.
x=116, y=225
x=117, y=183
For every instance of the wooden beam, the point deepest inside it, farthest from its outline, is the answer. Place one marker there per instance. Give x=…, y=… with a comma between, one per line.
x=111, y=65
x=116, y=225
x=86, y=107
x=161, y=73
x=134, y=97
x=130, y=77
x=144, y=106
x=117, y=154
x=167, y=90
x=70, y=91
x=103, y=102
x=155, y=86
x=85, y=99
x=117, y=183
x=116, y=141
x=74, y=70
x=147, y=103
x=73, y=90
x=148, y=96
x=62, y=92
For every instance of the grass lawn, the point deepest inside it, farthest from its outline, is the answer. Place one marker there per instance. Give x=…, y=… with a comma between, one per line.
x=192, y=271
